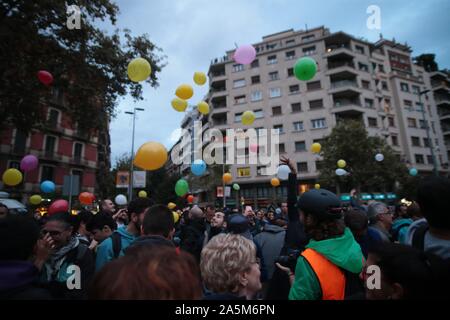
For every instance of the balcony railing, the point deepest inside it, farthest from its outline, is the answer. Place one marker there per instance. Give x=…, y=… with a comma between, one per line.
x=339, y=104
x=220, y=122
x=343, y=83
x=334, y=65
x=220, y=60
x=218, y=74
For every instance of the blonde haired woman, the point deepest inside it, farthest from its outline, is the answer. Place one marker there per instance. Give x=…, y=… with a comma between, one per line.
x=230, y=269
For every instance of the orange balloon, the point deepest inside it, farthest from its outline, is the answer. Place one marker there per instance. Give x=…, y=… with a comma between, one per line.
x=86, y=198
x=275, y=182
x=190, y=198
x=227, y=178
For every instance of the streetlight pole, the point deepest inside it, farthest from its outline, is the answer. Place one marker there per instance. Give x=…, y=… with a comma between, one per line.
x=130, y=187
x=427, y=129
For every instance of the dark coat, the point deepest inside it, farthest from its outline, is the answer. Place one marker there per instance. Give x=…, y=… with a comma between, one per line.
x=192, y=237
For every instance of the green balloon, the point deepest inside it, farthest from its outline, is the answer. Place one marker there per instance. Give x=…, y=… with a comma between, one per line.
x=305, y=69
x=181, y=187
x=236, y=186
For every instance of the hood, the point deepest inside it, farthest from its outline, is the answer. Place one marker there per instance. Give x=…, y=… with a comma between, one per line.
x=125, y=234
x=272, y=228
x=401, y=222
x=151, y=241
x=15, y=274
x=343, y=251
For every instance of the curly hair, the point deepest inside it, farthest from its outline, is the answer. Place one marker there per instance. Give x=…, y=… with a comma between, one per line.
x=323, y=229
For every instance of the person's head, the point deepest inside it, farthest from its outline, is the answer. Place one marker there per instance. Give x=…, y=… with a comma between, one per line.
x=248, y=211
x=60, y=227
x=239, y=224
x=321, y=214
x=405, y=273
x=260, y=215
x=357, y=222
x=83, y=217
x=4, y=211
x=434, y=201
x=136, y=209
x=209, y=212
x=101, y=226
x=107, y=206
x=401, y=210
x=378, y=213
x=413, y=211
x=18, y=237
x=196, y=213
x=229, y=265
x=270, y=215
x=218, y=221
x=158, y=220
x=284, y=208
x=157, y=274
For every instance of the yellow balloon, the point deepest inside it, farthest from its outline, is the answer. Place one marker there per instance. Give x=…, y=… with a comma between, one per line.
x=142, y=194
x=139, y=69
x=317, y=186
x=35, y=199
x=179, y=104
x=12, y=177
x=341, y=163
x=275, y=182
x=248, y=117
x=203, y=107
x=151, y=156
x=171, y=205
x=176, y=217
x=184, y=92
x=199, y=78
x=227, y=178
x=316, y=147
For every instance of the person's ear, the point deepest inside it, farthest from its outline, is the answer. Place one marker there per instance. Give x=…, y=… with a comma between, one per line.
x=171, y=233
x=397, y=291
x=243, y=281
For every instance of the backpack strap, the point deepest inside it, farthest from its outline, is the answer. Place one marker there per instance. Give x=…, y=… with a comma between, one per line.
x=418, y=238
x=116, y=244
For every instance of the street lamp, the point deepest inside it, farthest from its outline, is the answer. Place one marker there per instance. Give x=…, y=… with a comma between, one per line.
x=130, y=187
x=427, y=128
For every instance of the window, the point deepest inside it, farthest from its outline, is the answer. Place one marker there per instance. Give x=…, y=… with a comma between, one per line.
x=391, y=121
x=298, y=126
x=272, y=59
x=47, y=173
x=290, y=72
x=275, y=92
x=259, y=131
x=394, y=140
x=368, y=103
x=273, y=76
x=381, y=68
x=422, y=124
x=363, y=67
x=372, y=122
x=294, y=89
x=407, y=103
x=243, y=172
x=239, y=99
x=239, y=83
x=315, y=85
x=415, y=89
x=296, y=107
x=359, y=49
x=238, y=117
x=415, y=141
x=302, y=166
x=20, y=141
x=77, y=150
x=53, y=116
x=309, y=51
x=281, y=148
x=258, y=114
x=308, y=38
x=256, y=96
x=419, y=158
x=426, y=142
x=404, y=87
x=276, y=111
x=300, y=146
x=430, y=159
x=238, y=67
x=271, y=46
x=290, y=41
x=256, y=79
x=279, y=128
x=384, y=86
x=419, y=107
x=315, y=104
x=412, y=123
x=50, y=143
x=365, y=84
x=318, y=123
x=290, y=55
x=255, y=64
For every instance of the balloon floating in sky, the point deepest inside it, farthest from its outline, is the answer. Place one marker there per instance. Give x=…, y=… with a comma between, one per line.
x=248, y=117
x=181, y=187
x=316, y=147
x=317, y=186
x=203, y=107
x=305, y=68
x=245, y=54
x=379, y=157
x=47, y=186
x=227, y=178
x=45, y=77
x=179, y=104
x=341, y=163
x=139, y=70
x=184, y=91
x=413, y=172
x=35, y=199
x=29, y=163
x=58, y=206
x=86, y=198
x=198, y=168
x=283, y=172
x=120, y=200
x=12, y=177
x=275, y=182
x=190, y=198
x=236, y=187
x=340, y=172
x=142, y=194
x=151, y=156
x=199, y=78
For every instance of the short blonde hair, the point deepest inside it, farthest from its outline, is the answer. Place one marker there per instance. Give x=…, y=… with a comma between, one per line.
x=223, y=259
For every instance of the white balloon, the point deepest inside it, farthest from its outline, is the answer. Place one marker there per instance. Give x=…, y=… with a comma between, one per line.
x=121, y=200
x=379, y=157
x=340, y=172
x=283, y=172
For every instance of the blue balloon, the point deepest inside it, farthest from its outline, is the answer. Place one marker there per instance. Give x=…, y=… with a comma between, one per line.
x=413, y=172
x=198, y=167
x=47, y=186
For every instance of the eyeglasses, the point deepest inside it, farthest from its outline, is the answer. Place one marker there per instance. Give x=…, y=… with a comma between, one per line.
x=52, y=233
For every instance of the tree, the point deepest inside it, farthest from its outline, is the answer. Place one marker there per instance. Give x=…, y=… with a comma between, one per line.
x=349, y=141
x=426, y=61
x=88, y=65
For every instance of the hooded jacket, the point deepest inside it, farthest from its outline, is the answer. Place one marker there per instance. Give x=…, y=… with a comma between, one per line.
x=271, y=241
x=342, y=251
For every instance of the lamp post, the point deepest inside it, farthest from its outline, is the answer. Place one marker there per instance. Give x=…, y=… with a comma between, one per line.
x=130, y=187
x=427, y=129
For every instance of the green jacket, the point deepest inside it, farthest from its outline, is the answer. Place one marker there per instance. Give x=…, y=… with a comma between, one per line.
x=343, y=251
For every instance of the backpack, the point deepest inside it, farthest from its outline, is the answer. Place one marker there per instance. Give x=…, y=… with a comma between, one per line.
x=354, y=287
x=116, y=239
x=418, y=238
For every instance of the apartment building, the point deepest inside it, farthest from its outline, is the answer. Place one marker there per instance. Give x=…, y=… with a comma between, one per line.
x=374, y=82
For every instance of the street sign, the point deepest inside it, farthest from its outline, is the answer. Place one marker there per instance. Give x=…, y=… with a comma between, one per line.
x=227, y=192
x=67, y=189
x=123, y=179
x=219, y=192
x=139, y=179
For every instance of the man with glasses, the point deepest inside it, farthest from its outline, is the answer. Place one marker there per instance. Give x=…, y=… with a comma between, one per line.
x=380, y=220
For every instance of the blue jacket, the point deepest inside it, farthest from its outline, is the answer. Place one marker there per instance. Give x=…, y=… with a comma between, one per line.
x=105, y=251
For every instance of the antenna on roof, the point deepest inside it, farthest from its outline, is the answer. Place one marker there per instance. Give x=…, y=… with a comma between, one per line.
x=306, y=27
x=235, y=44
x=381, y=36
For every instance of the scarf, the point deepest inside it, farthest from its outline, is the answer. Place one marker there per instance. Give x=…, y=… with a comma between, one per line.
x=55, y=261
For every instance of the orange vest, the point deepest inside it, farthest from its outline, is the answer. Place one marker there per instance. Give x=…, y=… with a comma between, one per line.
x=331, y=278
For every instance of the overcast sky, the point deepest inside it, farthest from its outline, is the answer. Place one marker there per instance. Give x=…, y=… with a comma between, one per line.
x=193, y=32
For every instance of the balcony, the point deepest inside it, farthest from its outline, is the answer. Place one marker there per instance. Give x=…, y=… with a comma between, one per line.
x=445, y=129
x=339, y=51
x=49, y=155
x=345, y=87
x=351, y=108
x=440, y=86
x=79, y=161
x=442, y=100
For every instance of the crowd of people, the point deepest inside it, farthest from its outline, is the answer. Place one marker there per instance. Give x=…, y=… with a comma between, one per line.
x=307, y=248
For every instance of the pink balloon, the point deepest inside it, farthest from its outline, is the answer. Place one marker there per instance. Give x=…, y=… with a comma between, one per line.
x=245, y=54
x=253, y=148
x=29, y=163
x=45, y=77
x=58, y=206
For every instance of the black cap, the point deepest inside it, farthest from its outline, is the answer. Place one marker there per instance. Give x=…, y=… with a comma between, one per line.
x=320, y=203
x=238, y=224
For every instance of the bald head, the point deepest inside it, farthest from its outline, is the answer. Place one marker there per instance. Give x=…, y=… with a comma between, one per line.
x=196, y=212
